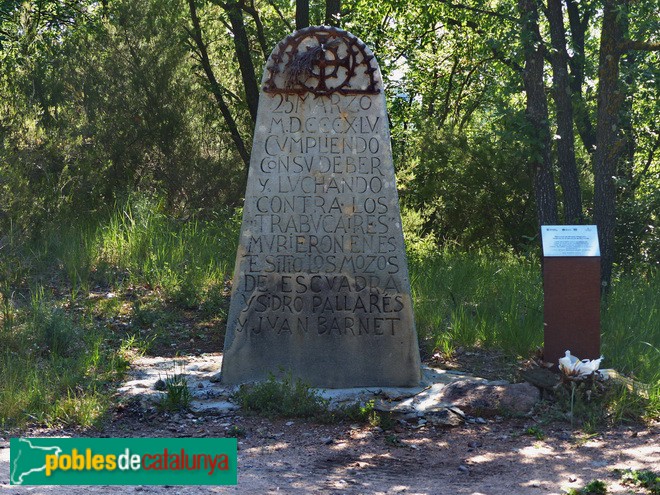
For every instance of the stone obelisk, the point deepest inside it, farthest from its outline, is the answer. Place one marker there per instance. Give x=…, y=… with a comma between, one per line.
x=321, y=287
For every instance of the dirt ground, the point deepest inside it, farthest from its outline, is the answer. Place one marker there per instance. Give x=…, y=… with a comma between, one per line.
x=496, y=457
x=300, y=457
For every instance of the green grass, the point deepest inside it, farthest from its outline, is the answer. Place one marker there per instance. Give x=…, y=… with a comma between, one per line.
x=648, y=480
x=595, y=487
x=61, y=350
x=536, y=432
x=631, y=332
x=55, y=368
x=177, y=394
x=464, y=299
x=288, y=398
x=496, y=301
x=284, y=397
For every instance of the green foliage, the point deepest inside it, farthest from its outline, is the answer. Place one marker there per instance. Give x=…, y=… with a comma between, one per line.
x=177, y=394
x=536, y=432
x=595, y=487
x=631, y=326
x=419, y=245
x=469, y=299
x=644, y=479
x=472, y=190
x=61, y=348
x=141, y=241
x=102, y=101
x=282, y=398
x=363, y=413
x=117, y=170
x=594, y=405
x=638, y=226
x=489, y=300
x=54, y=368
x=289, y=398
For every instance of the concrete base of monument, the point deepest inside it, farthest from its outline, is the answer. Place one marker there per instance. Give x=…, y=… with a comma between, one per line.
x=443, y=397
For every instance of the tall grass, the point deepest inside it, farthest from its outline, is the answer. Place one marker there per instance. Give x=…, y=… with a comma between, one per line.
x=631, y=326
x=58, y=361
x=54, y=367
x=186, y=259
x=477, y=299
x=631, y=330
x=469, y=299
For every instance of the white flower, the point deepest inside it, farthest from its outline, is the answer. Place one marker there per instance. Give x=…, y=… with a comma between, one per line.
x=573, y=367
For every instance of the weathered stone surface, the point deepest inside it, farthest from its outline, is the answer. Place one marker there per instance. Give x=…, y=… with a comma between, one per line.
x=321, y=286
x=487, y=399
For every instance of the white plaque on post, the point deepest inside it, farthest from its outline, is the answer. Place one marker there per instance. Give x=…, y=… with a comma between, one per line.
x=570, y=240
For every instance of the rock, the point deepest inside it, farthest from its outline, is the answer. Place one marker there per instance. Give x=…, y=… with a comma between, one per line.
x=463, y=469
x=213, y=407
x=485, y=399
x=445, y=417
x=160, y=385
x=217, y=378
x=541, y=377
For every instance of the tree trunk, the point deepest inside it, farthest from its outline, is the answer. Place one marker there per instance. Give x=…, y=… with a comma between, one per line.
x=568, y=174
x=196, y=35
x=609, y=144
x=332, y=12
x=583, y=122
x=242, y=47
x=302, y=14
x=626, y=164
x=537, y=114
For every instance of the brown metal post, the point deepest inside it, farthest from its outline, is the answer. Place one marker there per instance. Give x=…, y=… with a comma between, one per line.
x=571, y=311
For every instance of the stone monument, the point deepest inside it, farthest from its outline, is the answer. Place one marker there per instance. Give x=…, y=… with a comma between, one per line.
x=321, y=287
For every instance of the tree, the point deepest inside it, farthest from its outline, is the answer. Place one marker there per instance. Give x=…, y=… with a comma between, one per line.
x=537, y=113
x=610, y=143
x=202, y=55
x=606, y=120
x=568, y=173
x=302, y=14
x=332, y=12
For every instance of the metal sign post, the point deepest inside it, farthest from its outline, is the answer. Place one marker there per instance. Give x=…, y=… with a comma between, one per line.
x=571, y=287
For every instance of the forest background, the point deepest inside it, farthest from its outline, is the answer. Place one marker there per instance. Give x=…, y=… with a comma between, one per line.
x=126, y=125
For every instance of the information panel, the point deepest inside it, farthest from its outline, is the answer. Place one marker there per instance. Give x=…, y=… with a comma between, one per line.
x=570, y=240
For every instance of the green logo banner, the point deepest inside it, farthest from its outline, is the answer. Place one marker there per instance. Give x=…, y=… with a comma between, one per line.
x=123, y=461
